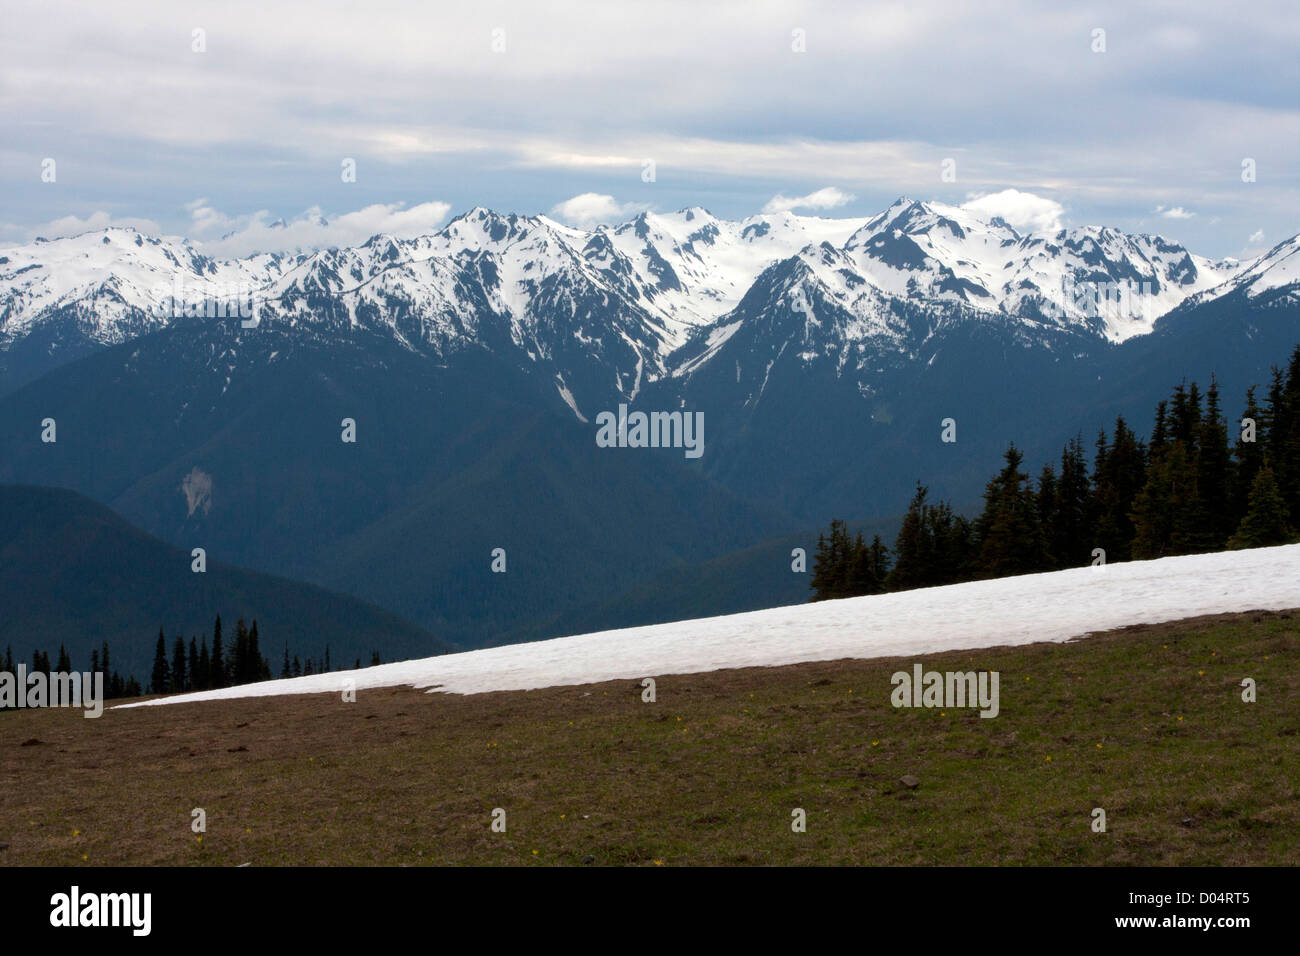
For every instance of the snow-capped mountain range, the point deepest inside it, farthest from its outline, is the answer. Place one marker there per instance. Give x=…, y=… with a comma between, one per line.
x=823, y=355
x=646, y=300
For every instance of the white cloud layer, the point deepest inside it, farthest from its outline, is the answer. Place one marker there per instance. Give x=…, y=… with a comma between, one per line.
x=75, y=226
x=713, y=93
x=222, y=235
x=588, y=210
x=1024, y=211
x=827, y=198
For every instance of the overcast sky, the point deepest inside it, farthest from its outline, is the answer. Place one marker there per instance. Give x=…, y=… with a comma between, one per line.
x=554, y=108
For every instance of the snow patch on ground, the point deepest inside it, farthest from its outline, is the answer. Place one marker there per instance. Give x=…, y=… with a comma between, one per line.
x=1021, y=610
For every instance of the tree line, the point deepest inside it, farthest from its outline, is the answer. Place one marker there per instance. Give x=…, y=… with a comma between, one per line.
x=183, y=667
x=197, y=668
x=1194, y=486
x=115, y=685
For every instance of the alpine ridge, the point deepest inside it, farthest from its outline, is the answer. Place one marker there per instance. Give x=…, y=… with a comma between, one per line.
x=603, y=313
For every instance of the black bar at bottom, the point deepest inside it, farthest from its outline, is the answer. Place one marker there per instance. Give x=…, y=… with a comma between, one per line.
x=600, y=907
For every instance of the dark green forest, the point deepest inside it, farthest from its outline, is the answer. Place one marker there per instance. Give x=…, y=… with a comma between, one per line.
x=180, y=667
x=1196, y=485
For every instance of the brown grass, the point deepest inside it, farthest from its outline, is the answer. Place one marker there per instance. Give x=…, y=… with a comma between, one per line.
x=1147, y=723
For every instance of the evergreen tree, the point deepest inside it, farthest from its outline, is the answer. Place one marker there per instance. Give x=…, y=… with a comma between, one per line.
x=1168, y=517
x=192, y=670
x=868, y=567
x=1213, y=475
x=65, y=662
x=913, y=548
x=179, y=682
x=1047, y=503
x=284, y=671
x=1266, y=521
x=1119, y=475
x=1270, y=414
x=1008, y=534
x=1184, y=414
x=857, y=576
x=1284, y=437
x=217, y=663
x=161, y=680
x=1071, y=534
x=952, y=547
x=258, y=668
x=203, y=676
x=838, y=569
x=1248, y=457
x=297, y=667
x=1160, y=433
x=841, y=560
x=241, y=663
x=1190, y=422
x=820, y=581
x=878, y=560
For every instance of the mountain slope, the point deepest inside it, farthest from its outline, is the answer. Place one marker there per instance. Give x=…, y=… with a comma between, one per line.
x=64, y=298
x=852, y=381
x=450, y=462
x=74, y=573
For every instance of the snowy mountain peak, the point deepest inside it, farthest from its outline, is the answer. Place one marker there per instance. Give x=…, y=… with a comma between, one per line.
x=644, y=288
x=1096, y=277
x=482, y=228
x=1274, y=275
